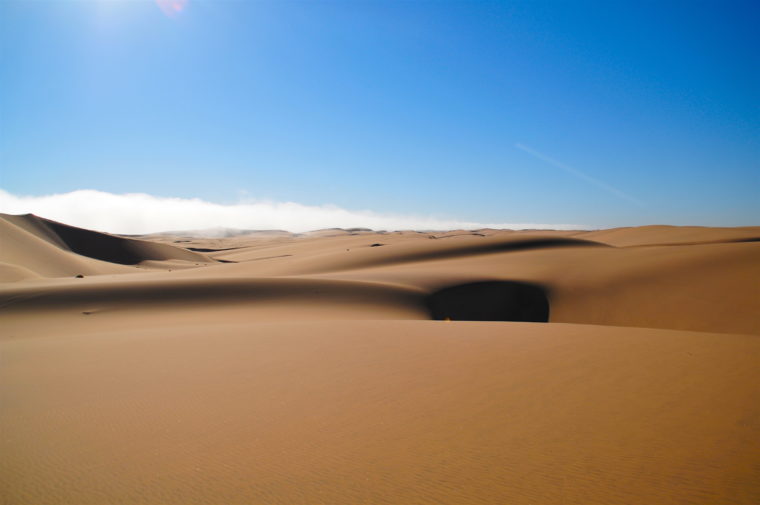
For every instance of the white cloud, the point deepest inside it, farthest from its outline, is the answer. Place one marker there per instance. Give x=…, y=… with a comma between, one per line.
x=136, y=213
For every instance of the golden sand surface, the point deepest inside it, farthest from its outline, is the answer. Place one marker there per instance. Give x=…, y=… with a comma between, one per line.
x=274, y=368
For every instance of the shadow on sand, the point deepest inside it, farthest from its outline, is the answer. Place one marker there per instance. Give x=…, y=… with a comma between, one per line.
x=490, y=301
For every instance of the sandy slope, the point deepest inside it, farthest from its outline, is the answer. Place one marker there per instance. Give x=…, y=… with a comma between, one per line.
x=381, y=412
x=275, y=368
x=50, y=249
x=665, y=235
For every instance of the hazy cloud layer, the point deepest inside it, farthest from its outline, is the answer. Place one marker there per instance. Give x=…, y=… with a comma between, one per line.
x=142, y=213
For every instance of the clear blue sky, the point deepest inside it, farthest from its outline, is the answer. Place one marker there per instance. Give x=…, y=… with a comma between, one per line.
x=602, y=113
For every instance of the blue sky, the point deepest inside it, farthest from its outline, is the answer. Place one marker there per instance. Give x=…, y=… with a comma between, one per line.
x=595, y=113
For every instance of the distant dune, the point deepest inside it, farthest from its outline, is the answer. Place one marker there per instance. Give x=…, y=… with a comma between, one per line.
x=352, y=366
x=52, y=249
x=674, y=235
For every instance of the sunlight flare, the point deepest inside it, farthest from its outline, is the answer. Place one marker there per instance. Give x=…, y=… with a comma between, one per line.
x=172, y=8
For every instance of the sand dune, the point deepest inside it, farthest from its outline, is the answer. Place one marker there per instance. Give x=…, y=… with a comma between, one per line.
x=370, y=253
x=278, y=368
x=673, y=235
x=24, y=251
x=251, y=299
x=711, y=286
x=45, y=247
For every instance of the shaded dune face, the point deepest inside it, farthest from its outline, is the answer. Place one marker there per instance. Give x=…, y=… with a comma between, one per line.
x=113, y=249
x=490, y=301
x=95, y=245
x=470, y=249
x=198, y=294
x=99, y=246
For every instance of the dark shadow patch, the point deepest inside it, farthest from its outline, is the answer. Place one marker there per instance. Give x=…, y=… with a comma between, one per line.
x=703, y=242
x=472, y=234
x=490, y=301
x=377, y=245
x=97, y=245
x=273, y=257
x=206, y=250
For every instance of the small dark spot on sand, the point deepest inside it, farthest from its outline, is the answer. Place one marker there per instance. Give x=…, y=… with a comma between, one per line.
x=79, y=276
x=86, y=312
x=377, y=245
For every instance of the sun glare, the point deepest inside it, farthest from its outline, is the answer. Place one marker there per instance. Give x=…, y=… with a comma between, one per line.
x=172, y=8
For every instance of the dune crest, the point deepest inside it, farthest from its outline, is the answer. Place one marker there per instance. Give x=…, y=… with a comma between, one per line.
x=22, y=234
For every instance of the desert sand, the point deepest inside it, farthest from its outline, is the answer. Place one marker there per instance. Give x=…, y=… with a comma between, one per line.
x=339, y=366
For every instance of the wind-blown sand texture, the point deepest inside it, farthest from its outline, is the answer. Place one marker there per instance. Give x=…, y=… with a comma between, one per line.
x=273, y=368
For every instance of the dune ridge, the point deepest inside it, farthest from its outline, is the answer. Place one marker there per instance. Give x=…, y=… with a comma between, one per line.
x=673, y=235
x=194, y=294
x=19, y=233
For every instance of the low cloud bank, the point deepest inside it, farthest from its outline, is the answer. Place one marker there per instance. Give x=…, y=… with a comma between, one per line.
x=135, y=213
